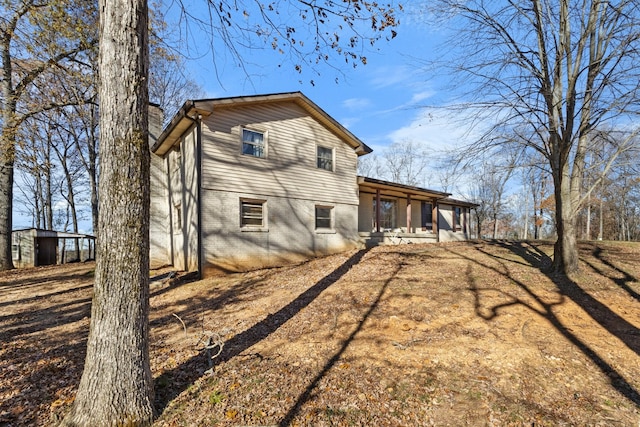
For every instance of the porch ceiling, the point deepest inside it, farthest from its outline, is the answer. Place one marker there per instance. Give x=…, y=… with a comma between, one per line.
x=392, y=189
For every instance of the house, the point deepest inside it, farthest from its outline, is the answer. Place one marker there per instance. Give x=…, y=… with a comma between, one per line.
x=248, y=182
x=33, y=247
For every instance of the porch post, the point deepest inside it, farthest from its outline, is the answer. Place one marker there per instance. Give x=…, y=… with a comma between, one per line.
x=408, y=213
x=453, y=218
x=434, y=219
x=464, y=213
x=377, y=210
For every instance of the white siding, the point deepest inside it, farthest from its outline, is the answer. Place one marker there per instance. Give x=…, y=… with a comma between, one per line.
x=289, y=170
x=445, y=221
x=159, y=242
x=289, y=233
x=159, y=252
x=183, y=191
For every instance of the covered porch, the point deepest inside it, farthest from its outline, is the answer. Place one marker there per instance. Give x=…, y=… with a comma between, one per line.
x=392, y=213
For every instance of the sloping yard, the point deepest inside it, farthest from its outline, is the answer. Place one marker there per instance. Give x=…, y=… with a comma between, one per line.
x=451, y=334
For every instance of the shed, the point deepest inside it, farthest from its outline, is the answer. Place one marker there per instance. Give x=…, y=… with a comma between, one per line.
x=34, y=247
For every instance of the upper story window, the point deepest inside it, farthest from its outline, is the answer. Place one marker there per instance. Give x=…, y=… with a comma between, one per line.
x=325, y=158
x=254, y=143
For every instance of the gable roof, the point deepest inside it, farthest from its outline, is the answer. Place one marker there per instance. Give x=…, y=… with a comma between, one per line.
x=190, y=110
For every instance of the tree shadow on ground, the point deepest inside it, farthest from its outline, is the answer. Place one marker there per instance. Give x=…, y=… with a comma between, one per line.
x=567, y=288
x=304, y=397
x=43, y=352
x=622, y=282
x=187, y=373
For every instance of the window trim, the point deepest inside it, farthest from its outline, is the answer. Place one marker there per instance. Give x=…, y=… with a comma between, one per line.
x=333, y=158
x=177, y=218
x=264, y=215
x=331, y=228
x=264, y=143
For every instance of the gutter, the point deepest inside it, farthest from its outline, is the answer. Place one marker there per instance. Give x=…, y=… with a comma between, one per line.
x=177, y=118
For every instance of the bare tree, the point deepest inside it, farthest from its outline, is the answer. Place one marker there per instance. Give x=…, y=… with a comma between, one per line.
x=406, y=161
x=548, y=73
x=370, y=166
x=491, y=175
x=35, y=37
x=116, y=385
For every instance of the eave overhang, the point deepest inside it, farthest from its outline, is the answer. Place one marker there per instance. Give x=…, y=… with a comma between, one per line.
x=399, y=190
x=190, y=110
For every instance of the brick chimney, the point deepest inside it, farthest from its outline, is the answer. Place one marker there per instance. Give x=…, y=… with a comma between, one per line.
x=156, y=115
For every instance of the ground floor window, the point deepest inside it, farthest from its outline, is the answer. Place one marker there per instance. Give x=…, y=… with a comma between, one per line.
x=458, y=215
x=388, y=214
x=252, y=213
x=177, y=218
x=427, y=216
x=324, y=217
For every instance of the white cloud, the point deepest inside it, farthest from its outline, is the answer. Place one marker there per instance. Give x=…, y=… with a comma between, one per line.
x=435, y=128
x=391, y=76
x=421, y=96
x=356, y=103
x=349, y=122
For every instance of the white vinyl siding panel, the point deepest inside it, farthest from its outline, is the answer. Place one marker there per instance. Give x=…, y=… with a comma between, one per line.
x=290, y=169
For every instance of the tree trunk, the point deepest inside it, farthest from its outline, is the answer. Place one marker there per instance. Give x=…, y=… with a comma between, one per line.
x=93, y=172
x=7, y=159
x=588, y=226
x=116, y=386
x=6, y=199
x=48, y=224
x=601, y=219
x=565, y=251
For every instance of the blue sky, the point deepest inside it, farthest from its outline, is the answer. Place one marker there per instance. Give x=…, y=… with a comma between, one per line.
x=379, y=102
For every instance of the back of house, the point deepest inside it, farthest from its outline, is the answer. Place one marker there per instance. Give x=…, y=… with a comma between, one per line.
x=249, y=182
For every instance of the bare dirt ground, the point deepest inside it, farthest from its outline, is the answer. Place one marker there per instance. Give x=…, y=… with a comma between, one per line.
x=450, y=334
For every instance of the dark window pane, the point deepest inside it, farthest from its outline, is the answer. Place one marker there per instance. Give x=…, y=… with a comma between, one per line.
x=323, y=217
x=251, y=214
x=325, y=158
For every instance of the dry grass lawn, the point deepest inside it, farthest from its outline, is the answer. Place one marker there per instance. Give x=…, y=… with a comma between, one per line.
x=449, y=334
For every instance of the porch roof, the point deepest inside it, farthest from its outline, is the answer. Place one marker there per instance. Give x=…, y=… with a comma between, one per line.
x=38, y=232
x=399, y=190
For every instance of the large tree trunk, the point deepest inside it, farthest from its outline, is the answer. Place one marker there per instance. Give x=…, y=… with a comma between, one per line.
x=116, y=386
x=7, y=159
x=93, y=174
x=6, y=199
x=565, y=251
